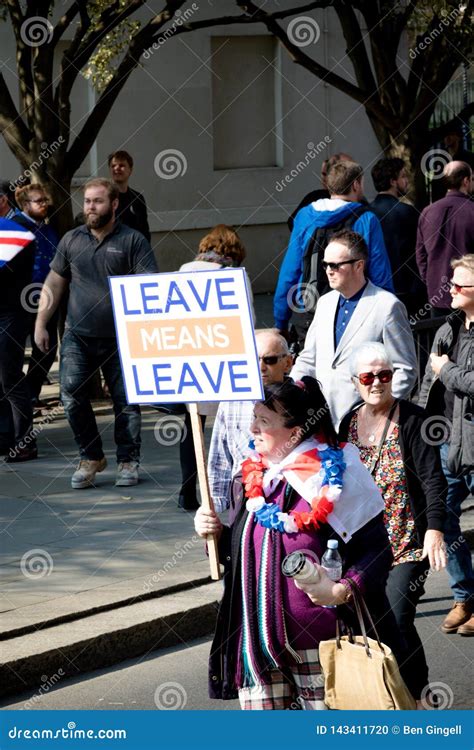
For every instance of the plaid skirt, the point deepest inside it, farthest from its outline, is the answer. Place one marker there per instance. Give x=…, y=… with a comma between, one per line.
x=304, y=693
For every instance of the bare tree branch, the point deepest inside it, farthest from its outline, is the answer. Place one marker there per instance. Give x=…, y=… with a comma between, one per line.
x=356, y=50
x=66, y=20
x=367, y=98
x=12, y=127
x=142, y=41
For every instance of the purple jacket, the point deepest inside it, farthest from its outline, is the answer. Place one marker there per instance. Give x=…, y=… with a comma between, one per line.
x=445, y=231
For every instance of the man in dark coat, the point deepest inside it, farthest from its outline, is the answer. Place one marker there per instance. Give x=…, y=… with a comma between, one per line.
x=445, y=231
x=399, y=222
x=132, y=210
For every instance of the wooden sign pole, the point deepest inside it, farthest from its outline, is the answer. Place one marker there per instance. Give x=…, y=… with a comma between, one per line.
x=206, y=500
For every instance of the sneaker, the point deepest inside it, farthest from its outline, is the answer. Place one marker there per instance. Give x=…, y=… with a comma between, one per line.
x=85, y=473
x=468, y=627
x=127, y=474
x=460, y=613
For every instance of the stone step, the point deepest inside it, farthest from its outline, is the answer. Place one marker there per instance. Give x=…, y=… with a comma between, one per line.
x=48, y=655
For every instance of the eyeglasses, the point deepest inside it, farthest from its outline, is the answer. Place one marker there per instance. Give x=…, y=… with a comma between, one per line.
x=272, y=359
x=367, y=378
x=39, y=201
x=336, y=266
x=459, y=287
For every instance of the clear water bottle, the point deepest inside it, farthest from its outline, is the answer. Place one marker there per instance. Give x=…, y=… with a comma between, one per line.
x=332, y=563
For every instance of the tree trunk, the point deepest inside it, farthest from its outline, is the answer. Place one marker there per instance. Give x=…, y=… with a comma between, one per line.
x=61, y=215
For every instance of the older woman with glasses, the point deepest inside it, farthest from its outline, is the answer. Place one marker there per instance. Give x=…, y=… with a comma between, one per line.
x=392, y=439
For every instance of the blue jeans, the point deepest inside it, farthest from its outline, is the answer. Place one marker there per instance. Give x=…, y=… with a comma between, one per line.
x=81, y=357
x=459, y=567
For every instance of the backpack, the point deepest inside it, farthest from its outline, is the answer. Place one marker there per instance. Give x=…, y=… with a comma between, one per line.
x=314, y=281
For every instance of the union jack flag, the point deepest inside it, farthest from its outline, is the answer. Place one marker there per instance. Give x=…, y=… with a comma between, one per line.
x=13, y=238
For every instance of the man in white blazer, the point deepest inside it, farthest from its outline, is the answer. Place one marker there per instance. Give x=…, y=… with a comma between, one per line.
x=355, y=311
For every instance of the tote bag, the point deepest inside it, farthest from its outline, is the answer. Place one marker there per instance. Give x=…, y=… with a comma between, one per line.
x=361, y=673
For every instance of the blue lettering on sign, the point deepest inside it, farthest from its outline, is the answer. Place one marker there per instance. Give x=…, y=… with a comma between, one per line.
x=137, y=385
x=174, y=289
x=124, y=302
x=234, y=376
x=146, y=298
x=191, y=383
x=201, y=302
x=159, y=378
x=215, y=385
x=221, y=293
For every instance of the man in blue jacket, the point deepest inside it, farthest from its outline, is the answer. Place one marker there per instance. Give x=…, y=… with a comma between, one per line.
x=315, y=224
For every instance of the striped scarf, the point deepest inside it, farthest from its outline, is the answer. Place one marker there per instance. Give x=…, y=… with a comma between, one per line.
x=264, y=641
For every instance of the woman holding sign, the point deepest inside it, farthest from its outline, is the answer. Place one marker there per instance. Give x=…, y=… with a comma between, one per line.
x=220, y=249
x=300, y=489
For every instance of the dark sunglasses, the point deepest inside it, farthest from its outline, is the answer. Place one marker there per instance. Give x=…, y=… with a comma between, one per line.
x=459, y=287
x=367, y=378
x=336, y=266
x=272, y=359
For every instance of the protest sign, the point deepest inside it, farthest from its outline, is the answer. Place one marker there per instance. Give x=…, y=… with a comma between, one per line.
x=187, y=337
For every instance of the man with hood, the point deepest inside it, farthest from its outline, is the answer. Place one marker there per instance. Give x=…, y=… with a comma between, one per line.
x=302, y=278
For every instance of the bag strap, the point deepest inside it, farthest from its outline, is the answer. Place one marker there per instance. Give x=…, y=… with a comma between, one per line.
x=376, y=458
x=361, y=610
